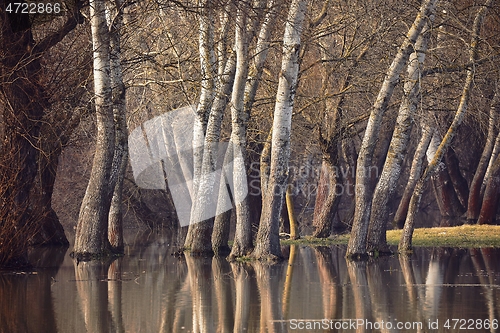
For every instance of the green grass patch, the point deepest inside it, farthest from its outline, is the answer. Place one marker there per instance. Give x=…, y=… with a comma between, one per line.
x=466, y=236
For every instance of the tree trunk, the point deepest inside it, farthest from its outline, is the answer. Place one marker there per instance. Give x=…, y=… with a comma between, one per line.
x=406, y=237
x=205, y=180
x=415, y=172
x=490, y=201
x=91, y=239
x=267, y=243
x=446, y=197
x=475, y=199
x=239, y=120
x=25, y=102
x=51, y=231
x=358, y=240
x=327, y=197
x=458, y=181
x=207, y=94
x=386, y=185
x=120, y=158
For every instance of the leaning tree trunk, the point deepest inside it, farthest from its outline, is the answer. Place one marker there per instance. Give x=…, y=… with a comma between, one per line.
x=91, y=239
x=489, y=207
x=363, y=197
x=407, y=234
x=415, y=172
x=386, y=185
x=474, y=201
x=267, y=242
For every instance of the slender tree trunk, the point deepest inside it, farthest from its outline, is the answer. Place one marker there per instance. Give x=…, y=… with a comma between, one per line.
x=267, y=243
x=489, y=207
x=446, y=197
x=457, y=179
x=407, y=234
x=474, y=201
x=239, y=120
x=358, y=240
x=415, y=172
x=120, y=158
x=91, y=239
x=386, y=185
x=207, y=94
x=206, y=181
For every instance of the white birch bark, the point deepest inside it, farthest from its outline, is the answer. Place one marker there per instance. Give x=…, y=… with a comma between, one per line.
x=358, y=239
x=267, y=243
x=260, y=56
x=399, y=144
x=207, y=94
x=239, y=120
x=406, y=237
x=206, y=183
x=91, y=237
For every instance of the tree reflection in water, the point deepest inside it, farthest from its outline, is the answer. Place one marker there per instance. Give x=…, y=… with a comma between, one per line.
x=149, y=291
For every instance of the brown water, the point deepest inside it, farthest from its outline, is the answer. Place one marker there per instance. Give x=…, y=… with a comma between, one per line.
x=316, y=290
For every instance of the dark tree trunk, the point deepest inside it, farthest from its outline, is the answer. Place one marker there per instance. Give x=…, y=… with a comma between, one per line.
x=446, y=197
x=327, y=198
x=459, y=182
x=475, y=197
x=26, y=101
x=490, y=200
x=51, y=231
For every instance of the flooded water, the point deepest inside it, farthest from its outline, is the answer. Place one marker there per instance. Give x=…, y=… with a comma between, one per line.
x=315, y=290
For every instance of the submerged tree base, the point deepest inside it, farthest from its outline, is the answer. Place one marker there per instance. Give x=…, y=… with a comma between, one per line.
x=86, y=256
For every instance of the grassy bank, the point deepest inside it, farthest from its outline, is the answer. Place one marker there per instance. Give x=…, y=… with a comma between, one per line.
x=466, y=236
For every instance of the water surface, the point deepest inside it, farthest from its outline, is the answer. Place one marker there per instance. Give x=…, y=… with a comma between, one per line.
x=315, y=290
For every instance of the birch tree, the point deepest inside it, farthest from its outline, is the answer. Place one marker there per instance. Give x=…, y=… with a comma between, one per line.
x=207, y=94
x=363, y=198
x=120, y=157
x=399, y=143
x=406, y=236
x=91, y=239
x=242, y=244
x=267, y=242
